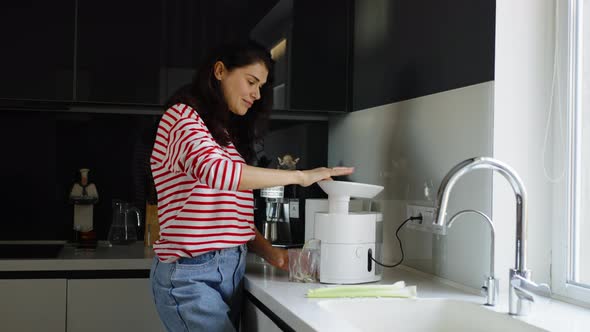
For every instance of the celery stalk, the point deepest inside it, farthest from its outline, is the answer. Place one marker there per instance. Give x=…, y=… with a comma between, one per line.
x=398, y=289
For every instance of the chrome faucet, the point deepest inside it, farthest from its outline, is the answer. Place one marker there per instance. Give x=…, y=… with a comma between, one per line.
x=520, y=286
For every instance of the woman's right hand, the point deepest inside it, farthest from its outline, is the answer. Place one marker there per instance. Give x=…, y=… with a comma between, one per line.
x=312, y=176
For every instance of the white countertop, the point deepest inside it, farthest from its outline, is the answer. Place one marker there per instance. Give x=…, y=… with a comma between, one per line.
x=118, y=257
x=287, y=300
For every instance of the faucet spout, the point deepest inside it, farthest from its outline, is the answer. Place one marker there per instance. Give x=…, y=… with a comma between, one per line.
x=490, y=288
x=520, y=284
x=471, y=164
x=493, y=234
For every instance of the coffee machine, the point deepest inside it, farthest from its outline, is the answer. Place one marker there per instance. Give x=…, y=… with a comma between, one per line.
x=348, y=240
x=279, y=218
x=274, y=214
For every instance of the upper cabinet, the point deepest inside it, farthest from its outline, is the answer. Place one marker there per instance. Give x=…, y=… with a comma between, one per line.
x=331, y=55
x=119, y=45
x=311, y=44
x=37, y=50
x=140, y=52
x=193, y=28
x=407, y=49
x=111, y=52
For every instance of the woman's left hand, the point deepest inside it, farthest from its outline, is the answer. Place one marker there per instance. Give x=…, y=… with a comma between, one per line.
x=312, y=176
x=278, y=258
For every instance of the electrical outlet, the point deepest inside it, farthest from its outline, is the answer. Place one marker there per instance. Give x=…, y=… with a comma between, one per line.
x=427, y=222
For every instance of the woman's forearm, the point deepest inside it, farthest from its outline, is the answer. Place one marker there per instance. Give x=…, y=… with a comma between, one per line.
x=259, y=245
x=257, y=177
x=277, y=257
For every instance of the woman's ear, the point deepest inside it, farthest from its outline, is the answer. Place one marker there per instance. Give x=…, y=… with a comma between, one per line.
x=219, y=70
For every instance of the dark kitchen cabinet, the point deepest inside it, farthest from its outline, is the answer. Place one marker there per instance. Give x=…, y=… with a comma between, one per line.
x=143, y=51
x=311, y=44
x=408, y=49
x=80, y=51
x=320, y=72
x=140, y=52
x=119, y=45
x=37, y=39
x=193, y=28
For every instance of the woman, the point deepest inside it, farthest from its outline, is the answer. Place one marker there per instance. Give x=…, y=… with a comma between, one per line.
x=204, y=187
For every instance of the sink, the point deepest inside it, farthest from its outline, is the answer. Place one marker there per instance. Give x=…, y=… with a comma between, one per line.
x=437, y=315
x=29, y=251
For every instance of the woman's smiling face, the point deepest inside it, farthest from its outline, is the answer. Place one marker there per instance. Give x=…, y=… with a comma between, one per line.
x=241, y=86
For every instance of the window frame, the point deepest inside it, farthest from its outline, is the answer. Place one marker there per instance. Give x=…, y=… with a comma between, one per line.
x=567, y=212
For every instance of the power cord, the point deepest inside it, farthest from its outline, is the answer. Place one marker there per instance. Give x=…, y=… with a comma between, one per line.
x=400, y=243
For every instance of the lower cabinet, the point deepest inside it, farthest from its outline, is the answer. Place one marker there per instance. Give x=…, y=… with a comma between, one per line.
x=254, y=320
x=89, y=305
x=78, y=305
x=113, y=305
x=33, y=305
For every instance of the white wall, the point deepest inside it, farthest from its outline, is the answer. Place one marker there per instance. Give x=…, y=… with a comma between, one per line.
x=404, y=145
x=523, y=73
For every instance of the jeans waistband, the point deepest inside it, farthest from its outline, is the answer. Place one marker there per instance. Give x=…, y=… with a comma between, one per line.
x=241, y=248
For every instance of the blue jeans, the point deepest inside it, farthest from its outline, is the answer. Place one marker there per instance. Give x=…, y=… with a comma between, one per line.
x=202, y=293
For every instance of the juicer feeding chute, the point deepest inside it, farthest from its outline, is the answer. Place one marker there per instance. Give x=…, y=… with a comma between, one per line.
x=340, y=192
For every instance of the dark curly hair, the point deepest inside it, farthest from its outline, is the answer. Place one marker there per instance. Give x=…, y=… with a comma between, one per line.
x=204, y=94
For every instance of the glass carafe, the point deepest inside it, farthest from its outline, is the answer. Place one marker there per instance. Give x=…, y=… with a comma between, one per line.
x=125, y=224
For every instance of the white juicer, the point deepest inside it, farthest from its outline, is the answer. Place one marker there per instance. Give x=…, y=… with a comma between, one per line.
x=348, y=239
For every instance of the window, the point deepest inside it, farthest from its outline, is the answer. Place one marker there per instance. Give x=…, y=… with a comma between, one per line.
x=571, y=262
x=583, y=234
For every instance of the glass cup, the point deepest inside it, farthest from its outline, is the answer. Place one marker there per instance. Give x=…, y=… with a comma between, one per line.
x=304, y=263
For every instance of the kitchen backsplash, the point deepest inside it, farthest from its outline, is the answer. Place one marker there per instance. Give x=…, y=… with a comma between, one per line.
x=43, y=152
x=408, y=147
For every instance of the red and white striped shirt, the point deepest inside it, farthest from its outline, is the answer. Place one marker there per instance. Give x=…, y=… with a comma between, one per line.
x=199, y=206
